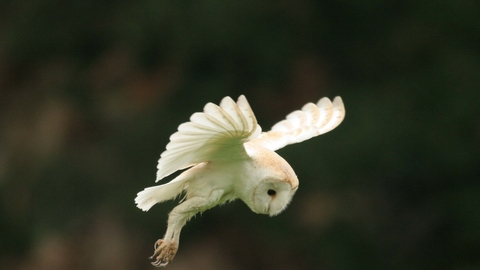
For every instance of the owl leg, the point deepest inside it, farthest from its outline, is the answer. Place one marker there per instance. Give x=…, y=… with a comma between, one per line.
x=166, y=248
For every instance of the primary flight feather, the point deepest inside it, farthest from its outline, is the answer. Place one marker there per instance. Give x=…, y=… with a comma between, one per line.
x=229, y=157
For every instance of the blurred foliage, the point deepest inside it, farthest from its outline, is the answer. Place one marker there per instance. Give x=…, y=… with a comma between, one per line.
x=90, y=91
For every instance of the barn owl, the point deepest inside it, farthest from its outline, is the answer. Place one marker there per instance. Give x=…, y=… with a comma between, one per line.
x=229, y=157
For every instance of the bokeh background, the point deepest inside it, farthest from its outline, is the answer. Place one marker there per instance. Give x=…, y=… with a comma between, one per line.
x=91, y=90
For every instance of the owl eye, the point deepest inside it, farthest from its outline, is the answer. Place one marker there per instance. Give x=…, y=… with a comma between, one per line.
x=271, y=192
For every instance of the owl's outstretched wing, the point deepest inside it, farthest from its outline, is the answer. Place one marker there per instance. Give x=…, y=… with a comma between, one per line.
x=217, y=133
x=301, y=125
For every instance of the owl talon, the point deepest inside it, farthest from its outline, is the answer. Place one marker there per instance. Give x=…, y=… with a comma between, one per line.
x=164, y=252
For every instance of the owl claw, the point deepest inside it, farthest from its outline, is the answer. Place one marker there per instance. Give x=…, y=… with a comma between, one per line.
x=164, y=252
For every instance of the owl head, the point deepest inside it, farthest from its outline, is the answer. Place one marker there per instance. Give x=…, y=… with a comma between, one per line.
x=274, y=182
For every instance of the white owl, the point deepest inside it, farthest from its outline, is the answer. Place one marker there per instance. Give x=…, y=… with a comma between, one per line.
x=231, y=158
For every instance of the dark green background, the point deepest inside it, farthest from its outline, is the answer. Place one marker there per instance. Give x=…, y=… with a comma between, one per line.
x=90, y=91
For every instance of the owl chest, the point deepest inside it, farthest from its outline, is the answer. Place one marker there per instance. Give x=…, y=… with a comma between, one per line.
x=225, y=177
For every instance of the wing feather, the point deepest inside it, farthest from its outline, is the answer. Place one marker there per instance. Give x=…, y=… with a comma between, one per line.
x=312, y=120
x=214, y=134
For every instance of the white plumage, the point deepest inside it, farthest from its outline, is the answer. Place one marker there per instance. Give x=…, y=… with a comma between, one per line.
x=229, y=158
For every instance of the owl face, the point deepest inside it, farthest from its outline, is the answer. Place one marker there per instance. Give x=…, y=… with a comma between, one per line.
x=271, y=196
x=274, y=181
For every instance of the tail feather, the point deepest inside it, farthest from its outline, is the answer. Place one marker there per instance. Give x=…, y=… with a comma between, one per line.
x=150, y=196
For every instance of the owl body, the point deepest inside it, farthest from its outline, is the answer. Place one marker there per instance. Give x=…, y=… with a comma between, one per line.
x=212, y=176
x=228, y=157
